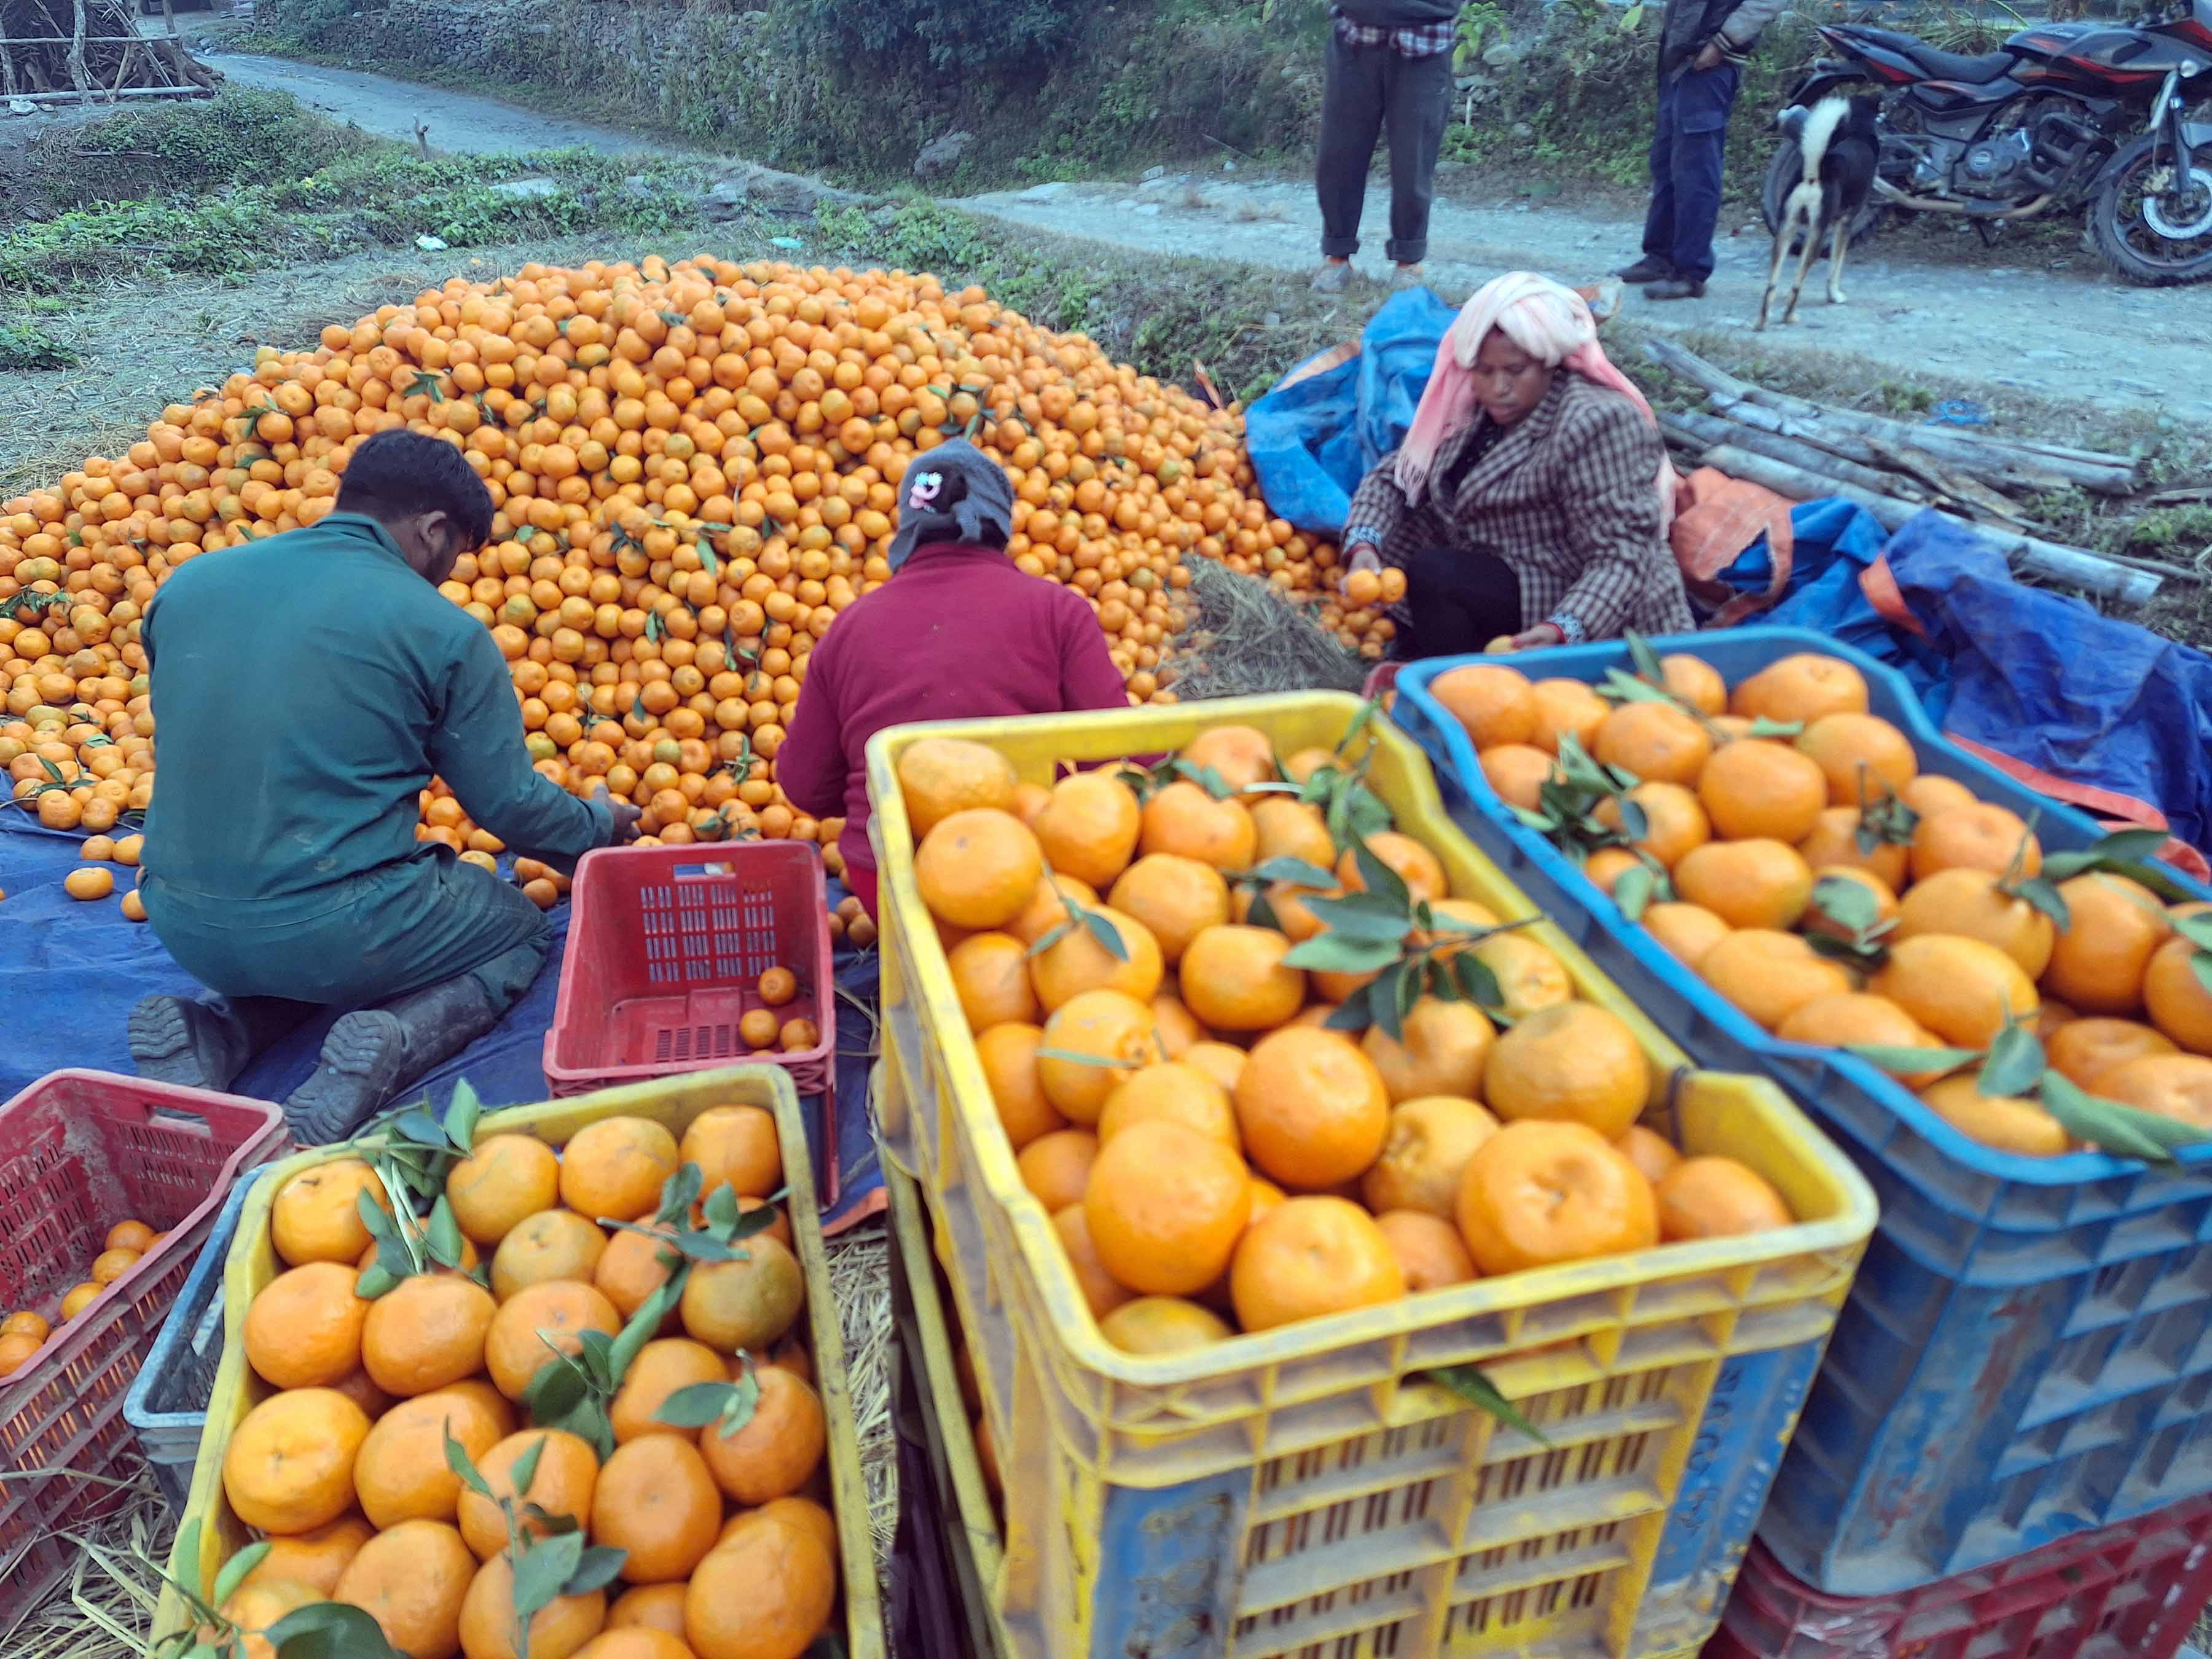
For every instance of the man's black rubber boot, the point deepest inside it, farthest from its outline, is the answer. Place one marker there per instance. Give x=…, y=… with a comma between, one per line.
x=1646, y=270
x=371, y=1054
x=1675, y=288
x=205, y=1043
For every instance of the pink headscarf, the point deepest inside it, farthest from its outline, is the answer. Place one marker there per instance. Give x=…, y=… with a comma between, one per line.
x=1549, y=321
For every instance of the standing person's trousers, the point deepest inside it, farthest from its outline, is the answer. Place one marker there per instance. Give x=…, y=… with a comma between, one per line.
x=1688, y=148
x=1369, y=92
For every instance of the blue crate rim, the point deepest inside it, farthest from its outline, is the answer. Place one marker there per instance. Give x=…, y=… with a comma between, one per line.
x=2072, y=1168
x=176, y=1325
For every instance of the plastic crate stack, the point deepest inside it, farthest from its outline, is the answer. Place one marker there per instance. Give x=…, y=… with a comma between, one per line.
x=2025, y=1364
x=1307, y=1490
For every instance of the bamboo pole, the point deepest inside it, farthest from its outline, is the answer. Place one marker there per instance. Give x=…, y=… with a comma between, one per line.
x=1710, y=429
x=78, y=77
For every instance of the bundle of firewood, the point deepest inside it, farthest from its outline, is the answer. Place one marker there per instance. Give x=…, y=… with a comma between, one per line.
x=72, y=50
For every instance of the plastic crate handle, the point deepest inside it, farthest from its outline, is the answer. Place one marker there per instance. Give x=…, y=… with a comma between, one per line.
x=163, y=1115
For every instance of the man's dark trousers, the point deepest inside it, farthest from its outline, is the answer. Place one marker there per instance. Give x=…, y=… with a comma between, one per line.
x=1687, y=149
x=1370, y=91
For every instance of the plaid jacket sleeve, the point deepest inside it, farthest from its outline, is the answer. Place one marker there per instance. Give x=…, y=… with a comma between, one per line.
x=1377, y=505
x=1610, y=495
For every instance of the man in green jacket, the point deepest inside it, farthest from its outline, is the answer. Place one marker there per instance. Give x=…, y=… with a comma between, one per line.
x=305, y=687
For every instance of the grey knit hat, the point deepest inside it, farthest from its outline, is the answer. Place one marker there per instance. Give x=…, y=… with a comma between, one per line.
x=953, y=492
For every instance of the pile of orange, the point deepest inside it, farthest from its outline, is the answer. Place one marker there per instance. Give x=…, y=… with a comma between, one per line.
x=24, y=1332
x=696, y=469
x=1214, y=1155
x=1781, y=819
x=729, y=1549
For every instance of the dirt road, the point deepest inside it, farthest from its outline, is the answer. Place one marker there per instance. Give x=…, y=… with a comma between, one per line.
x=2063, y=330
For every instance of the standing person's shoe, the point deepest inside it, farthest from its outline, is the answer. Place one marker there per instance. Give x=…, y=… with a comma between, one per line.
x=1406, y=276
x=1646, y=270
x=1675, y=288
x=1334, y=277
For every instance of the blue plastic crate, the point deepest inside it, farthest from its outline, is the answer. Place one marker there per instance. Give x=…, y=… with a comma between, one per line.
x=2028, y=1352
x=166, y=1406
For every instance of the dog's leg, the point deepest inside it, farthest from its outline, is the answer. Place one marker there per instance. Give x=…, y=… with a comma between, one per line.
x=1841, y=238
x=1781, y=253
x=1804, y=266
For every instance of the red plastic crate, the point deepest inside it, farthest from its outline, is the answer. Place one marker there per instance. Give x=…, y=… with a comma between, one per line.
x=80, y=1151
x=2129, y=1591
x=666, y=945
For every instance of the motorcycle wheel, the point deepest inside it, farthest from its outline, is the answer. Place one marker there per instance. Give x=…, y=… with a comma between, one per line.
x=1782, y=173
x=2145, y=235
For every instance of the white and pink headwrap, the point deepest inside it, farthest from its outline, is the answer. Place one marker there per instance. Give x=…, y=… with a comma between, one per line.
x=1549, y=321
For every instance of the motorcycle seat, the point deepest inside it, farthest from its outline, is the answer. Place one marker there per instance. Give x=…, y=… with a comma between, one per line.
x=1975, y=69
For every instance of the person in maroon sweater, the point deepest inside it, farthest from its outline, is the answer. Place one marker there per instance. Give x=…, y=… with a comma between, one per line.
x=958, y=633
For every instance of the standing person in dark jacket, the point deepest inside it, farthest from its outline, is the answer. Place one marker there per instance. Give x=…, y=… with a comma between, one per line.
x=1389, y=71
x=1703, y=47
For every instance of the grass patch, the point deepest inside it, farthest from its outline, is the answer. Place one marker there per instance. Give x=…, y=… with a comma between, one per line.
x=26, y=345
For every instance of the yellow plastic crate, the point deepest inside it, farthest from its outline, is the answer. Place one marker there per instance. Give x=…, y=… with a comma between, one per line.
x=672, y=1101
x=1304, y=1490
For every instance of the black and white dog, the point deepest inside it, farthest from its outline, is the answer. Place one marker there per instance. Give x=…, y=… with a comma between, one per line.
x=1841, y=148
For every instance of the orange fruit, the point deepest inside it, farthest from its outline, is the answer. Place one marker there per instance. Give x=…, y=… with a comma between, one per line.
x=940, y=776
x=289, y=1467
x=2178, y=1086
x=1674, y=820
x=17, y=1347
x=649, y=1607
x=656, y=1499
x=778, y=985
x=766, y=1593
x=1967, y=902
x=111, y=1265
x=79, y=1298
x=506, y=1178
x=1416, y=866
x=1241, y=756
x=614, y=1169
x=1221, y=1061
x=1104, y=1024
x=313, y=1217
x=734, y=1146
x=1312, y=1109
x=559, y=1630
x=1164, y=1208
x=551, y=1244
x=535, y=1323
x=1518, y=772
x=1425, y=1152
x=561, y=1485
x=1175, y=899
x=1770, y=975
x=1182, y=820
x=1088, y=829
x=254, y=1607
x=93, y=882
x=2083, y=1050
x=1651, y=1152
x=1047, y=906
x=1573, y=1063
x=1654, y=742
x=1174, y=1093
x=1983, y=836
x=1879, y=907
x=2178, y=1000
x=1077, y=962
x=1932, y=793
x=1056, y=1167
x=1961, y=989
x=131, y=1236
x=1158, y=1325
x=1441, y=1050
x=2114, y=926
x=2004, y=1121
x=802, y=1513
x=1863, y=757
x=990, y=977
x=1494, y=703
x=1008, y=1054
x=1717, y=1198
x=1687, y=931
x=1289, y=828
x=1308, y=1258
x=1566, y=708
x=660, y=1368
x=1430, y=1253
x=1608, y=866
x=1178, y=1030
x=426, y=1333
x=1803, y=686
x=1845, y=1019
x=978, y=869
x=1537, y=1193
x=1747, y=883
x=1030, y=799
x=758, y=1028
x=631, y=1269
x=1754, y=788
x=27, y=1323
x=412, y=1580
x=1529, y=978
x=303, y=1328
x=777, y=1450
x=1100, y=1291
x=638, y=1641
x=1695, y=680
x=400, y=1473
x=747, y=1303
x=315, y=1558
x=1234, y=979
x=1834, y=845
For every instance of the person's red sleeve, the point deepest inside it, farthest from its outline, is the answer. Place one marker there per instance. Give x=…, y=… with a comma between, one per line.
x=811, y=764
x=1088, y=676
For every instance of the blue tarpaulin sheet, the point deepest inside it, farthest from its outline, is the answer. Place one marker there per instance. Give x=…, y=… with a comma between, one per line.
x=2034, y=675
x=79, y=966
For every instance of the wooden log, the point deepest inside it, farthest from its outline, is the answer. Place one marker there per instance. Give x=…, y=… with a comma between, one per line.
x=100, y=92
x=2073, y=567
x=1965, y=483
x=1711, y=429
x=78, y=76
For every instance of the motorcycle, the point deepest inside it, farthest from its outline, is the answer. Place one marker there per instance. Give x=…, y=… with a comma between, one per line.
x=2115, y=118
